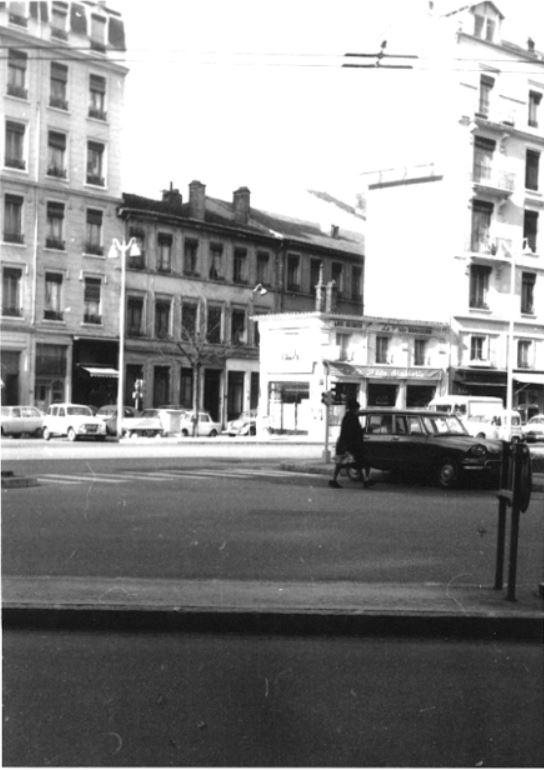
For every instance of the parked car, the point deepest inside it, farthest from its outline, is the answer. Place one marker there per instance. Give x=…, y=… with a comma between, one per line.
x=73, y=420
x=146, y=423
x=18, y=420
x=533, y=430
x=108, y=413
x=206, y=426
x=244, y=425
x=427, y=443
x=496, y=426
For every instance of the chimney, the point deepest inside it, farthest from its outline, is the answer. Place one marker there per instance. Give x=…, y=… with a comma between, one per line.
x=197, y=200
x=319, y=291
x=330, y=298
x=530, y=45
x=334, y=231
x=240, y=203
x=172, y=197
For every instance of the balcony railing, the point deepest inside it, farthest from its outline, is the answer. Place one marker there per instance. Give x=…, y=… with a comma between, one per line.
x=18, y=91
x=15, y=163
x=53, y=315
x=12, y=311
x=55, y=243
x=494, y=247
x=59, y=173
x=91, y=318
x=96, y=180
x=98, y=114
x=136, y=263
x=14, y=237
x=96, y=45
x=58, y=102
x=490, y=177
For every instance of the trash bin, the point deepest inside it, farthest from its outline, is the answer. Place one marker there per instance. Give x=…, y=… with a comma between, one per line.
x=171, y=420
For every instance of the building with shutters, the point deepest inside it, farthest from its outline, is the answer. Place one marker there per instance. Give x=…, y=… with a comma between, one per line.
x=207, y=268
x=61, y=86
x=460, y=239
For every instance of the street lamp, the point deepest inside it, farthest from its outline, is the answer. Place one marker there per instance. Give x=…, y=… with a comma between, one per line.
x=120, y=250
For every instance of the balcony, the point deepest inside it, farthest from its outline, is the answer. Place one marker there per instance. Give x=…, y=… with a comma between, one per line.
x=494, y=248
x=15, y=163
x=136, y=263
x=13, y=312
x=94, y=248
x=59, y=173
x=18, y=91
x=97, y=45
x=58, y=102
x=96, y=180
x=97, y=114
x=14, y=237
x=53, y=315
x=492, y=181
x=90, y=318
x=55, y=243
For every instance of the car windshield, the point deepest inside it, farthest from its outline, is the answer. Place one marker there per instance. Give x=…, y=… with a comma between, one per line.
x=79, y=410
x=444, y=424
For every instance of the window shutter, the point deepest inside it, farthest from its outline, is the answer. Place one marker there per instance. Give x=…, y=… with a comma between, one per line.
x=116, y=34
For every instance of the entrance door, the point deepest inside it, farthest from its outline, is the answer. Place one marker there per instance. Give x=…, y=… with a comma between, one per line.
x=212, y=392
x=235, y=395
x=10, y=377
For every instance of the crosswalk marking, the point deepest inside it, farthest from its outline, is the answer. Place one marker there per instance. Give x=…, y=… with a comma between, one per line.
x=89, y=477
x=123, y=477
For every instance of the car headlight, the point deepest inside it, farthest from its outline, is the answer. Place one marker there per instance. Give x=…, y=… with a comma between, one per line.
x=478, y=450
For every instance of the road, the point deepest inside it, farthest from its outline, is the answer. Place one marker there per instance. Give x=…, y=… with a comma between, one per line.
x=180, y=517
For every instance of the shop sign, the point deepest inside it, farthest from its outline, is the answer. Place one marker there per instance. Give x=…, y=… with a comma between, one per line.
x=399, y=372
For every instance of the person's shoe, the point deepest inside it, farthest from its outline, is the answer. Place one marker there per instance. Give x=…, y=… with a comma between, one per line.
x=333, y=483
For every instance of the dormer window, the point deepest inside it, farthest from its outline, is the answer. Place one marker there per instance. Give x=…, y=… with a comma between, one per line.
x=486, y=22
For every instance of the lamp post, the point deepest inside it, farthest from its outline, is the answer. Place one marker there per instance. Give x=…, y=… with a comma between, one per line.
x=510, y=349
x=120, y=250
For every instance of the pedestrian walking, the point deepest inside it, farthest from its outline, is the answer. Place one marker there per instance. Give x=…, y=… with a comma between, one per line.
x=350, y=440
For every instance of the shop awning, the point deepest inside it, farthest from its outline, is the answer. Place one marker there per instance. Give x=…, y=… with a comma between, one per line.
x=100, y=371
x=530, y=379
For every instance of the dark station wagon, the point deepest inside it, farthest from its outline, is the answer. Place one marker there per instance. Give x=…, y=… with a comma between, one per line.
x=426, y=443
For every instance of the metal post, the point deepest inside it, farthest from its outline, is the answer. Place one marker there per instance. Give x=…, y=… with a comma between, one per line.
x=121, y=364
x=326, y=451
x=501, y=527
x=514, y=527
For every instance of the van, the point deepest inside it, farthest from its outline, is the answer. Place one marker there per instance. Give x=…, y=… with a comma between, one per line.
x=496, y=426
x=471, y=410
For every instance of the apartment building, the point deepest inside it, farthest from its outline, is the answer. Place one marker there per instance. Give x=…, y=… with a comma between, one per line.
x=206, y=269
x=467, y=244
x=379, y=361
x=61, y=86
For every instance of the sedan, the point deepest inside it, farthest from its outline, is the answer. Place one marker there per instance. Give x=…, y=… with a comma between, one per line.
x=205, y=427
x=244, y=425
x=18, y=420
x=426, y=443
x=74, y=421
x=534, y=429
x=147, y=423
x=108, y=414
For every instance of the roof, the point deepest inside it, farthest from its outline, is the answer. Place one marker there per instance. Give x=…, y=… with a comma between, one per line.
x=221, y=213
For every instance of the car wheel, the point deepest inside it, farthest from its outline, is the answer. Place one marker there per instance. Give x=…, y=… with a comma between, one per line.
x=355, y=474
x=213, y=433
x=480, y=435
x=71, y=434
x=448, y=473
x=46, y=434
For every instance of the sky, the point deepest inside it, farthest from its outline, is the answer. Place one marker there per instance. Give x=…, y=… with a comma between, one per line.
x=251, y=92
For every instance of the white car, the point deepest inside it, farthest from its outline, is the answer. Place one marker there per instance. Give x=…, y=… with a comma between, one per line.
x=495, y=426
x=206, y=426
x=17, y=420
x=74, y=421
x=533, y=430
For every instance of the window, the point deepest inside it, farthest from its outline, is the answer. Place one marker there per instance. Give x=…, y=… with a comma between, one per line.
x=135, y=314
x=293, y=272
x=263, y=267
x=337, y=275
x=53, y=297
x=216, y=261
x=420, y=349
x=162, y=318
x=11, y=291
x=343, y=341
x=478, y=25
x=527, y=293
x=186, y=387
x=238, y=326
x=315, y=271
x=478, y=348
x=479, y=286
x=530, y=229
x=59, y=17
x=56, y=154
x=481, y=224
x=164, y=249
x=95, y=164
x=91, y=301
x=532, y=159
x=93, y=244
x=18, y=13
x=534, y=103
x=55, y=226
x=239, y=269
x=190, y=256
x=214, y=324
x=97, y=96
x=356, y=276
x=13, y=219
x=382, y=350
x=524, y=354
x=138, y=235
x=486, y=86
x=98, y=33
x=17, y=74
x=14, y=156
x=188, y=320
x=483, y=158
x=58, y=86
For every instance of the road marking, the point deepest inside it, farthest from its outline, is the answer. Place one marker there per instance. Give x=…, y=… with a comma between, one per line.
x=82, y=479
x=46, y=480
x=195, y=474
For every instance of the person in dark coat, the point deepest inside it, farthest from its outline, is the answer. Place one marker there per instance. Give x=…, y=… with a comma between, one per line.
x=350, y=440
